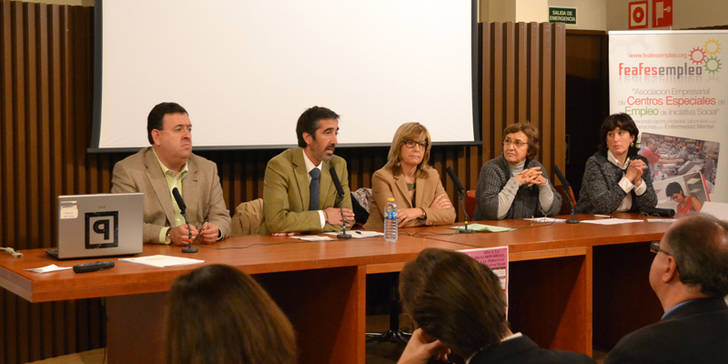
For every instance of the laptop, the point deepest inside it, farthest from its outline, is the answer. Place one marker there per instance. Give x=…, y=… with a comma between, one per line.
x=106, y=224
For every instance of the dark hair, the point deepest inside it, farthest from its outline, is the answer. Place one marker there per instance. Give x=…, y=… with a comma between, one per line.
x=530, y=132
x=673, y=188
x=624, y=122
x=309, y=121
x=455, y=299
x=699, y=245
x=155, y=117
x=218, y=314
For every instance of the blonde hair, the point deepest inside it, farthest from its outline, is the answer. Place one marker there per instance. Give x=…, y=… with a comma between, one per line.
x=409, y=131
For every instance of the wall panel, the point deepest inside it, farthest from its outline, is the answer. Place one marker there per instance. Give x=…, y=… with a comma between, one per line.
x=45, y=105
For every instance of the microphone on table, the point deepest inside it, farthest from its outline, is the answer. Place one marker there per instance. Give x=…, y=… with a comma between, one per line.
x=340, y=193
x=461, y=197
x=569, y=194
x=182, y=208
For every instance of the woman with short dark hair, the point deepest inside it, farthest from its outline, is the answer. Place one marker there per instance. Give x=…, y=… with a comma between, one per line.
x=616, y=178
x=460, y=308
x=218, y=314
x=514, y=185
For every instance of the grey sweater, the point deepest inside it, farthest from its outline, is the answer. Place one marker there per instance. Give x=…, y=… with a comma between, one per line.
x=600, y=192
x=493, y=177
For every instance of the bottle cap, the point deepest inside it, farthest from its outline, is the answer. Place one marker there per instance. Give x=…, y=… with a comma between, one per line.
x=391, y=199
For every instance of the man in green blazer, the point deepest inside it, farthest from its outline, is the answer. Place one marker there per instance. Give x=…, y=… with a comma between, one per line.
x=292, y=175
x=169, y=164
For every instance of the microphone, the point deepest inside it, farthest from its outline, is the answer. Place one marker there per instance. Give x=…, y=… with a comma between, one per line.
x=182, y=209
x=180, y=201
x=461, y=195
x=340, y=193
x=569, y=194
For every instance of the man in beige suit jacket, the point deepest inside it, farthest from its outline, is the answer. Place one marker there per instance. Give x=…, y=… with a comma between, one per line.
x=167, y=164
x=287, y=206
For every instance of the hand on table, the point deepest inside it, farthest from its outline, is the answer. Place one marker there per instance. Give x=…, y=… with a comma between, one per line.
x=209, y=233
x=333, y=216
x=181, y=236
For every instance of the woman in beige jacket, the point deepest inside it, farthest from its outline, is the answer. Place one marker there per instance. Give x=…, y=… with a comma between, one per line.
x=415, y=186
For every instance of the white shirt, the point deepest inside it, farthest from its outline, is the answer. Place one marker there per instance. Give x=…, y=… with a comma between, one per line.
x=626, y=185
x=310, y=166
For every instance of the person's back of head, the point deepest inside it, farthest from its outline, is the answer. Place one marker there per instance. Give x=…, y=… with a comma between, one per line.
x=218, y=314
x=699, y=244
x=455, y=299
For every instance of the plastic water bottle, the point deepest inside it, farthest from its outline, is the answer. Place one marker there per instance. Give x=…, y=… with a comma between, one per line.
x=390, y=221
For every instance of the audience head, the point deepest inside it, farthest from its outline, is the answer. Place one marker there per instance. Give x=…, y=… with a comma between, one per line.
x=520, y=140
x=169, y=130
x=218, y=314
x=692, y=260
x=411, y=145
x=455, y=299
x=317, y=130
x=618, y=134
x=675, y=192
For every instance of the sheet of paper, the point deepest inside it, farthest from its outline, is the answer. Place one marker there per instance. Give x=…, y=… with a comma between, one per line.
x=544, y=219
x=660, y=220
x=482, y=228
x=161, y=261
x=312, y=237
x=47, y=269
x=614, y=221
x=358, y=234
x=494, y=258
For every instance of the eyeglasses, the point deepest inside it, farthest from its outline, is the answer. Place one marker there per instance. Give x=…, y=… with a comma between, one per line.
x=655, y=248
x=517, y=143
x=412, y=143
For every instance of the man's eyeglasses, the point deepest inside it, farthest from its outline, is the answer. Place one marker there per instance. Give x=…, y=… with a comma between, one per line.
x=517, y=143
x=655, y=248
x=412, y=143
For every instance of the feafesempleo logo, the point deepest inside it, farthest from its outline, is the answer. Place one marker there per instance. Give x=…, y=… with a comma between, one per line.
x=700, y=60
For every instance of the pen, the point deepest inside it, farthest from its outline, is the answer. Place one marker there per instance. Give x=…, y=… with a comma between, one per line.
x=600, y=215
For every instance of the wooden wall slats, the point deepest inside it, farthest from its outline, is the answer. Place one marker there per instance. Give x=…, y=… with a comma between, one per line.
x=46, y=95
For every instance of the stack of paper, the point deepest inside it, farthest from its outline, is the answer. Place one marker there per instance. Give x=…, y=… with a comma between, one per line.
x=161, y=261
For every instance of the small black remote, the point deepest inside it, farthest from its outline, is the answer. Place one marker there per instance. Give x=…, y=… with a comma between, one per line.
x=92, y=267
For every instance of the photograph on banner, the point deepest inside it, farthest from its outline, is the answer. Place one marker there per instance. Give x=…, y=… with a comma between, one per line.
x=683, y=194
x=674, y=84
x=671, y=156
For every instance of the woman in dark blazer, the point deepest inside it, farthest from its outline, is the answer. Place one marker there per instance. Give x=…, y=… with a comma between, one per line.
x=616, y=178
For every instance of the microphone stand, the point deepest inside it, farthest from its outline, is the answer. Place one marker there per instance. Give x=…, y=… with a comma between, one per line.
x=461, y=197
x=342, y=234
x=189, y=248
x=572, y=220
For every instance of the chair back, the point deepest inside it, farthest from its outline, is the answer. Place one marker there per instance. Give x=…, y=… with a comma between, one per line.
x=470, y=202
x=247, y=217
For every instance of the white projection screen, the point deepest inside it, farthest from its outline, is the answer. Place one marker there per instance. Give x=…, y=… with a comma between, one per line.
x=246, y=69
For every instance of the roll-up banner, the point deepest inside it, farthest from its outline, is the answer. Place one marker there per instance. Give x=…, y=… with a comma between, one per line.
x=674, y=84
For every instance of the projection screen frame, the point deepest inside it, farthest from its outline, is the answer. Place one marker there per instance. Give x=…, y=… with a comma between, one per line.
x=95, y=139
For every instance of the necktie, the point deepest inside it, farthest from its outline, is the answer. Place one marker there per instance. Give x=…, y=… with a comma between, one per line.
x=314, y=189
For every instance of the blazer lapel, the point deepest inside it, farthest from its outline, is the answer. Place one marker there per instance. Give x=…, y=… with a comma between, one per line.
x=190, y=190
x=159, y=184
x=421, y=192
x=326, y=185
x=301, y=176
x=401, y=184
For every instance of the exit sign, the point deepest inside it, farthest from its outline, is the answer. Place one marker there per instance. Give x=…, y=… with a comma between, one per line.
x=562, y=15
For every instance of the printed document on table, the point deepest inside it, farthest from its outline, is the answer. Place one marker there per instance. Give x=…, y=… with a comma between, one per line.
x=162, y=261
x=312, y=237
x=614, y=221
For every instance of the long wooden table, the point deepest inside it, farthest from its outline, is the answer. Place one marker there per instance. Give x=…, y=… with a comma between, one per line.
x=321, y=285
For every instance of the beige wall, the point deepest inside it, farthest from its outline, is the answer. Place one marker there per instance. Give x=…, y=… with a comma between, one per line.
x=513, y=10
x=590, y=14
x=687, y=14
